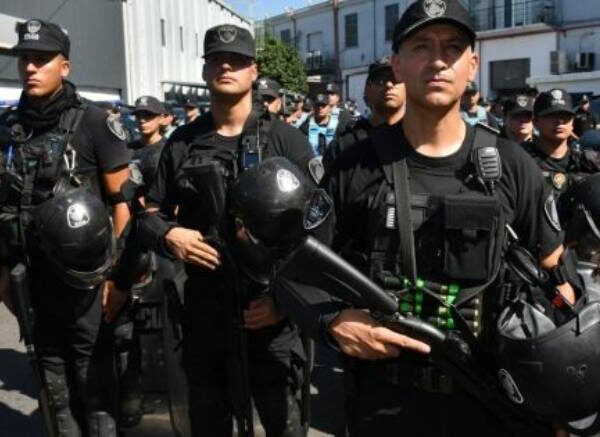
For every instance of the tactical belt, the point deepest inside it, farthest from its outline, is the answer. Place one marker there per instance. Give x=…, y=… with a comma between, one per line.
x=410, y=374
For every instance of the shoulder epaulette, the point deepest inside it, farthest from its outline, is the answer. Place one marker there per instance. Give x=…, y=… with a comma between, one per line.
x=488, y=128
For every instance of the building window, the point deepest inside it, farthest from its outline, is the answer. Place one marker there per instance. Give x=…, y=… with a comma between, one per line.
x=163, y=36
x=510, y=75
x=391, y=17
x=197, y=46
x=286, y=36
x=351, y=30
x=181, y=38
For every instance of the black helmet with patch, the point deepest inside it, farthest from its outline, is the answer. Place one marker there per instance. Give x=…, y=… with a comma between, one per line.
x=270, y=199
x=76, y=236
x=552, y=371
x=274, y=204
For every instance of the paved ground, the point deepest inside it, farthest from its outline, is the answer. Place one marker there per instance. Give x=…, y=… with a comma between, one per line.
x=19, y=414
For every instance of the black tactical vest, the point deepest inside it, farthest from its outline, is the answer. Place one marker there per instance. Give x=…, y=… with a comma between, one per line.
x=458, y=239
x=202, y=153
x=33, y=169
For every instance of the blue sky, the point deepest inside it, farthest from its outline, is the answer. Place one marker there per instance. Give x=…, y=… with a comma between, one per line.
x=270, y=7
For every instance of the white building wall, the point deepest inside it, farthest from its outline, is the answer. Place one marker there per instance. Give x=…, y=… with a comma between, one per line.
x=149, y=64
x=578, y=10
x=97, y=53
x=364, y=53
x=383, y=47
x=536, y=47
x=585, y=39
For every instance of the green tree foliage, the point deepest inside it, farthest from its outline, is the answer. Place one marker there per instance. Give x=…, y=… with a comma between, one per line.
x=281, y=62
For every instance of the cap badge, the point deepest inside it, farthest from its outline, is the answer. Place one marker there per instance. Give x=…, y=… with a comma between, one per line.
x=227, y=34
x=77, y=216
x=144, y=101
x=434, y=8
x=287, y=181
x=557, y=96
x=522, y=101
x=262, y=84
x=33, y=27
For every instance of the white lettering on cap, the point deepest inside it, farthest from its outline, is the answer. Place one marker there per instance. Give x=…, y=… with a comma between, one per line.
x=434, y=8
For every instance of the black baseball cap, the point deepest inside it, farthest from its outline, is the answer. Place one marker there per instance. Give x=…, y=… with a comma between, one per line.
x=518, y=104
x=320, y=100
x=424, y=12
x=190, y=103
x=553, y=101
x=149, y=104
x=332, y=88
x=585, y=98
x=379, y=65
x=229, y=38
x=43, y=36
x=267, y=87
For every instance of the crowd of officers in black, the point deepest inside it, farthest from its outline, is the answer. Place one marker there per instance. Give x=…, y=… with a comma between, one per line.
x=425, y=102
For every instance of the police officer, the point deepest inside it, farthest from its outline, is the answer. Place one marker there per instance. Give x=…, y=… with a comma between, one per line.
x=407, y=204
x=191, y=110
x=585, y=119
x=150, y=115
x=334, y=98
x=472, y=112
x=228, y=139
x=384, y=96
x=322, y=126
x=559, y=161
x=518, y=119
x=58, y=142
x=269, y=92
x=306, y=109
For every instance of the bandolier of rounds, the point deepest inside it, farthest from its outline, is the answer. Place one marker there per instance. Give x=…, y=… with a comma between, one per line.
x=415, y=300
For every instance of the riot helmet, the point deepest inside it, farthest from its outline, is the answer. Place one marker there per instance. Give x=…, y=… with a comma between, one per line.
x=547, y=350
x=552, y=372
x=273, y=204
x=76, y=236
x=580, y=208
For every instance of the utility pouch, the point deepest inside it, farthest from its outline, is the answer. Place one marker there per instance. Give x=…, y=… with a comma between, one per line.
x=471, y=236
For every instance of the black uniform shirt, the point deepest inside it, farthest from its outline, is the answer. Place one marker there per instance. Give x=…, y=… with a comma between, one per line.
x=98, y=147
x=284, y=140
x=357, y=175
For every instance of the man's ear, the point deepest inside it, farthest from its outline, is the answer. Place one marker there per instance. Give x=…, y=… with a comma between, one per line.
x=473, y=66
x=254, y=72
x=65, y=68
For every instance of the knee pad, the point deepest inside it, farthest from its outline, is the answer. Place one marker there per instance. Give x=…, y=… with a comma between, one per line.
x=101, y=424
x=57, y=389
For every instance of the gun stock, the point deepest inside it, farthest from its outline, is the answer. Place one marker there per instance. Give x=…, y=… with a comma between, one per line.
x=315, y=265
x=20, y=295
